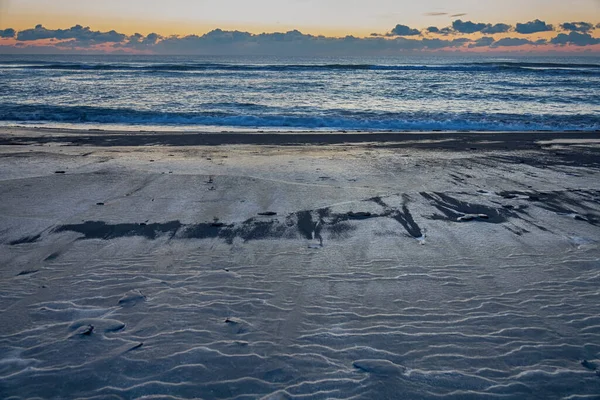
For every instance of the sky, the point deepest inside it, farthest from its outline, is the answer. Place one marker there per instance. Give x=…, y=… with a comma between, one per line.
x=330, y=18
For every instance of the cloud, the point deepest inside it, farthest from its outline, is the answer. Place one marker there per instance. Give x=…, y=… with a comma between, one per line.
x=403, y=30
x=577, y=26
x=435, y=14
x=498, y=28
x=222, y=42
x=575, y=38
x=485, y=41
x=221, y=36
x=296, y=43
x=77, y=32
x=514, y=42
x=458, y=15
x=472, y=27
x=467, y=27
x=533, y=27
x=436, y=44
x=7, y=33
x=141, y=42
x=440, y=31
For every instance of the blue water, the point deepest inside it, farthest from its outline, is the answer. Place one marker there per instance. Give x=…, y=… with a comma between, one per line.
x=207, y=93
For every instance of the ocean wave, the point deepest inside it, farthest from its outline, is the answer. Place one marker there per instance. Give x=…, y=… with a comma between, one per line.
x=334, y=119
x=527, y=67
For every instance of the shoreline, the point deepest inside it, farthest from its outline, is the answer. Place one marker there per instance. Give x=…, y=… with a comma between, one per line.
x=429, y=139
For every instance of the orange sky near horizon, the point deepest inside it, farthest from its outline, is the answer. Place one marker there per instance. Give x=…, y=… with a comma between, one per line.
x=318, y=17
x=330, y=18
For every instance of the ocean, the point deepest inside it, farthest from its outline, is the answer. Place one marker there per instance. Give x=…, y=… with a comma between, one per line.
x=416, y=93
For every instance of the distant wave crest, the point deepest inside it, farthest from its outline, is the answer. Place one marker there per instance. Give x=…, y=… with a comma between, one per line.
x=516, y=67
x=350, y=121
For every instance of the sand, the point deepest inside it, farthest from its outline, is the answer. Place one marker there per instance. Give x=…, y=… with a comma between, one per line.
x=286, y=265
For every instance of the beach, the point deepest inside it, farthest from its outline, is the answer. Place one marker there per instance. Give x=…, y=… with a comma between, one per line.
x=279, y=265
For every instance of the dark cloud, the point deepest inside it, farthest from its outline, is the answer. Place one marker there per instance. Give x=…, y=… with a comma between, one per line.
x=473, y=27
x=7, y=33
x=222, y=36
x=514, y=42
x=458, y=15
x=436, y=44
x=485, y=41
x=435, y=14
x=221, y=42
x=403, y=30
x=440, y=31
x=153, y=38
x=575, y=38
x=498, y=28
x=79, y=33
x=533, y=27
x=296, y=43
x=577, y=26
x=141, y=42
x=467, y=27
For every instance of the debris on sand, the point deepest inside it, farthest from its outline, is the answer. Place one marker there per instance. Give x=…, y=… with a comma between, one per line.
x=359, y=215
x=472, y=217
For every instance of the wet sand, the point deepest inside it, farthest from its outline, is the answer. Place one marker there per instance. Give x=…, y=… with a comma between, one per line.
x=239, y=266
